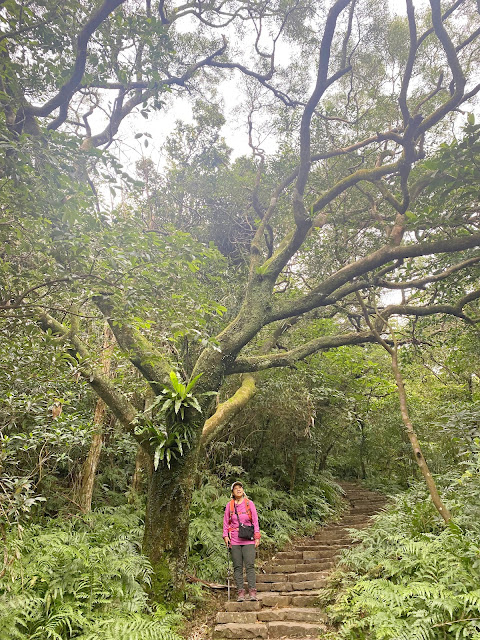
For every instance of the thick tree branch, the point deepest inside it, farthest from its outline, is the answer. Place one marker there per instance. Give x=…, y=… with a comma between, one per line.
x=412, y=26
x=152, y=364
x=119, y=405
x=228, y=409
x=320, y=87
x=289, y=358
x=373, y=261
x=455, y=67
x=68, y=89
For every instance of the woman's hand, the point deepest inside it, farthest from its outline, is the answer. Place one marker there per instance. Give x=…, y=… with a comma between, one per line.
x=257, y=542
x=227, y=541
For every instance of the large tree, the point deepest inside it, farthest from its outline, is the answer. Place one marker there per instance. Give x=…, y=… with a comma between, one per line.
x=365, y=99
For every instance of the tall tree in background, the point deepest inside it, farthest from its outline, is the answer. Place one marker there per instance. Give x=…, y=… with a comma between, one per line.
x=332, y=217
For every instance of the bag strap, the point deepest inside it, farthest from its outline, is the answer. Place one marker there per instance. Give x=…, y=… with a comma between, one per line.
x=247, y=508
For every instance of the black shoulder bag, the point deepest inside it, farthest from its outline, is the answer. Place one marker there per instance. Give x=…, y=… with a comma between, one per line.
x=245, y=531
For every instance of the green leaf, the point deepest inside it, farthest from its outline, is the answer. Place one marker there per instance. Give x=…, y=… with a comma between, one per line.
x=168, y=403
x=156, y=458
x=192, y=382
x=194, y=403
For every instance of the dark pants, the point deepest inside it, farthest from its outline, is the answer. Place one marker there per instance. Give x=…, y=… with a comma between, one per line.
x=243, y=554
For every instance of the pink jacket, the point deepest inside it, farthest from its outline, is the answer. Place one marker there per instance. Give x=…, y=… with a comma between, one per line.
x=230, y=524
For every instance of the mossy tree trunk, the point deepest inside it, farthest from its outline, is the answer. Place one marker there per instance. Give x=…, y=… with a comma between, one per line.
x=165, y=540
x=392, y=350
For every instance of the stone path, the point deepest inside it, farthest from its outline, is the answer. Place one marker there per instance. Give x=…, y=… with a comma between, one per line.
x=288, y=591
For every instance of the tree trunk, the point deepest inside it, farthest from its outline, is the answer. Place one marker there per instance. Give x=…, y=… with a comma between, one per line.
x=362, y=447
x=143, y=469
x=412, y=436
x=89, y=468
x=165, y=540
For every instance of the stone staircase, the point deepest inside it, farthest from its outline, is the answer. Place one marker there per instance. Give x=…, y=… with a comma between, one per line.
x=288, y=590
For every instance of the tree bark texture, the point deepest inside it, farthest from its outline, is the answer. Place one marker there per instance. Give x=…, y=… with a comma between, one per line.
x=90, y=465
x=143, y=470
x=165, y=540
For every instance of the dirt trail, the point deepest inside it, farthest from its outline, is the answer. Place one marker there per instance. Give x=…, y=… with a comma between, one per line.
x=288, y=591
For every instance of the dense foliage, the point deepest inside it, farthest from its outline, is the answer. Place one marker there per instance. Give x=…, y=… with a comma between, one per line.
x=82, y=578
x=174, y=322
x=412, y=578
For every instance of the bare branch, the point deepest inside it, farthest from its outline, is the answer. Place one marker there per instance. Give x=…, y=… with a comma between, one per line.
x=386, y=254
x=68, y=89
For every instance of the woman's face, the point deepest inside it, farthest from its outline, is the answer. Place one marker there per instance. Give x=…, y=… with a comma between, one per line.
x=237, y=491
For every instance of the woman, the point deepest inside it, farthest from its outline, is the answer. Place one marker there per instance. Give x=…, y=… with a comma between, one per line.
x=241, y=510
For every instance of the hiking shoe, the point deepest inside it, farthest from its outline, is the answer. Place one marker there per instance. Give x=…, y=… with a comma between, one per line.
x=241, y=595
x=252, y=594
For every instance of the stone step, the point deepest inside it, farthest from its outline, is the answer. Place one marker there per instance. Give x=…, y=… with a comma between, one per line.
x=274, y=586
x=272, y=577
x=280, y=567
x=289, y=555
x=271, y=599
x=247, y=605
x=237, y=617
x=308, y=576
x=297, y=576
x=322, y=547
x=320, y=554
x=309, y=584
x=298, y=614
x=243, y=631
x=371, y=506
x=333, y=537
x=290, y=599
x=307, y=561
x=315, y=566
x=300, y=566
x=294, y=629
x=307, y=599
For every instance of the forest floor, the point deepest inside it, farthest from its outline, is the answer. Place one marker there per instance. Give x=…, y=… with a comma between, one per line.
x=290, y=582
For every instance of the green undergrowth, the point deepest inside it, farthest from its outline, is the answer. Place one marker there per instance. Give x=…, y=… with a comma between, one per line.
x=412, y=577
x=282, y=516
x=84, y=577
